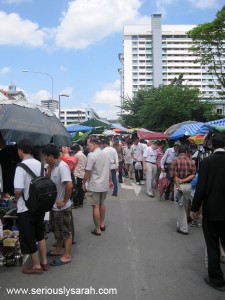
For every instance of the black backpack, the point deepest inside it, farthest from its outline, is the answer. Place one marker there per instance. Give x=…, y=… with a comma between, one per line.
x=42, y=192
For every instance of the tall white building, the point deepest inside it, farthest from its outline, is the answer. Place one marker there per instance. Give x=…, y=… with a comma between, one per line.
x=155, y=54
x=77, y=115
x=50, y=104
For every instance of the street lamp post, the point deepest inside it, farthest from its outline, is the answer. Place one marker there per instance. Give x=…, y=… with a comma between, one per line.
x=61, y=95
x=44, y=74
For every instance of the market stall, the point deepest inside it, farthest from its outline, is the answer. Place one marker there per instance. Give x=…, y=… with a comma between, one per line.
x=19, y=120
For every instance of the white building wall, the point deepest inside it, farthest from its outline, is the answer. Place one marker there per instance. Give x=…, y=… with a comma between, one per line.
x=138, y=60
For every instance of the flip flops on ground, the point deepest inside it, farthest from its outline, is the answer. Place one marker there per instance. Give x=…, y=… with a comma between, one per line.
x=103, y=228
x=50, y=253
x=58, y=262
x=95, y=232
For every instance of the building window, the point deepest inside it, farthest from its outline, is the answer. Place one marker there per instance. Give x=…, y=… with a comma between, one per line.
x=219, y=111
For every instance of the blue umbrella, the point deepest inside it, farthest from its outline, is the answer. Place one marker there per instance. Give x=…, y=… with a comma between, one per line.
x=187, y=130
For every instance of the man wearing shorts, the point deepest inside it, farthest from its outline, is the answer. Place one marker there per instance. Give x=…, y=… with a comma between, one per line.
x=61, y=214
x=98, y=178
x=31, y=226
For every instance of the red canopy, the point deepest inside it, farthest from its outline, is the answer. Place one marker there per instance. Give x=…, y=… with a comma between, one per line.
x=152, y=135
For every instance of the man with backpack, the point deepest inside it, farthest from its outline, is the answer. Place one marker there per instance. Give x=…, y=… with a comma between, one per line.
x=31, y=225
x=60, y=216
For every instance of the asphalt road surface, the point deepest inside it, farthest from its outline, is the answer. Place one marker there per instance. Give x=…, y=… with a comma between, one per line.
x=139, y=256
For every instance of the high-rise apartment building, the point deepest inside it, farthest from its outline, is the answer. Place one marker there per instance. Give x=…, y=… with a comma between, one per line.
x=155, y=54
x=50, y=104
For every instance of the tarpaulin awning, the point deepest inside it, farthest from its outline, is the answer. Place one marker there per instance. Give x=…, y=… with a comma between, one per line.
x=186, y=130
x=152, y=135
x=205, y=128
x=78, y=128
x=177, y=126
x=76, y=138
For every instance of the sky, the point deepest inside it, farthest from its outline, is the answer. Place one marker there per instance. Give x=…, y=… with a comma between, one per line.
x=77, y=42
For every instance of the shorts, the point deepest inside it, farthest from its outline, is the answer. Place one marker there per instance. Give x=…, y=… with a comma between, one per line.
x=95, y=198
x=129, y=167
x=31, y=230
x=61, y=223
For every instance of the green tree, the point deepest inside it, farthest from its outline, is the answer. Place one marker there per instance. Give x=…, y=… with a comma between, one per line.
x=209, y=46
x=158, y=108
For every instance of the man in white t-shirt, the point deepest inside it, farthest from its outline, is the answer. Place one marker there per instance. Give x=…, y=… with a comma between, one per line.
x=31, y=226
x=149, y=163
x=137, y=155
x=128, y=159
x=98, y=179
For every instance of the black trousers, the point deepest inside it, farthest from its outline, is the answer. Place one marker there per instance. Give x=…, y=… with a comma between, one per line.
x=213, y=232
x=120, y=171
x=138, y=173
x=79, y=197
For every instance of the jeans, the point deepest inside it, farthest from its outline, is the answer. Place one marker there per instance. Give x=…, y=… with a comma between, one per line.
x=114, y=180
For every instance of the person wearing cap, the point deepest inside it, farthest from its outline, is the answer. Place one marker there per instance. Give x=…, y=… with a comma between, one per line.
x=149, y=166
x=166, y=161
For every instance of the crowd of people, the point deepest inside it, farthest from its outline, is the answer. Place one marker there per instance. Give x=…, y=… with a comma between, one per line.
x=104, y=163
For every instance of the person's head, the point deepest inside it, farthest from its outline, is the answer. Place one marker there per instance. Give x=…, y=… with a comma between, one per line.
x=93, y=144
x=154, y=145
x=76, y=148
x=136, y=140
x=50, y=154
x=183, y=149
x=25, y=148
x=116, y=140
x=176, y=146
x=105, y=142
x=143, y=141
x=218, y=140
x=129, y=143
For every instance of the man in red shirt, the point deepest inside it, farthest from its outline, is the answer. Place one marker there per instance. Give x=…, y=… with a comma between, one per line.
x=183, y=171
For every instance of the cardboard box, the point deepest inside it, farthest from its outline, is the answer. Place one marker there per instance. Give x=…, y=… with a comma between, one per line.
x=10, y=242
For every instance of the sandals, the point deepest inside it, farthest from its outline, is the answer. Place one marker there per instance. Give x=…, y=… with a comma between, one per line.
x=103, y=228
x=95, y=232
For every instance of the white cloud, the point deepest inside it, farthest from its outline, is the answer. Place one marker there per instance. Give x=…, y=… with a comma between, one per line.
x=62, y=68
x=16, y=31
x=37, y=97
x=110, y=94
x=67, y=91
x=90, y=21
x=201, y=4
x=106, y=100
x=5, y=70
x=204, y=3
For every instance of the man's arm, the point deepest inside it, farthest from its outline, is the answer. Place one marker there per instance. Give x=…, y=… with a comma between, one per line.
x=18, y=194
x=163, y=160
x=87, y=175
x=68, y=192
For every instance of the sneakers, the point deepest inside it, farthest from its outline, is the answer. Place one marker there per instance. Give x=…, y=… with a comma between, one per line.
x=150, y=195
x=137, y=182
x=195, y=223
x=142, y=182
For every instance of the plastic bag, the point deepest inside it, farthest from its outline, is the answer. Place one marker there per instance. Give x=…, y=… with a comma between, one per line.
x=138, y=165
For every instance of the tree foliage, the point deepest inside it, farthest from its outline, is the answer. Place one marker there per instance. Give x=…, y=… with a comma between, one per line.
x=209, y=46
x=158, y=108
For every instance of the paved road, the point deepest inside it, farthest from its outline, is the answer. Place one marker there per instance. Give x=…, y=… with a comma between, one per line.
x=140, y=254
